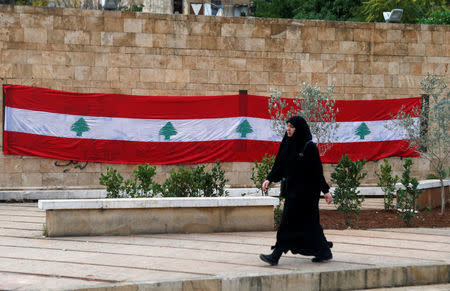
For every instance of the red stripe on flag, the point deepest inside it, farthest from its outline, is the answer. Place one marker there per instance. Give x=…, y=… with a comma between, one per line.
x=372, y=110
x=182, y=107
x=371, y=151
x=131, y=152
x=128, y=152
x=131, y=106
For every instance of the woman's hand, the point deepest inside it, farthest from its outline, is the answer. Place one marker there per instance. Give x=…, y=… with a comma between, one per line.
x=328, y=197
x=265, y=185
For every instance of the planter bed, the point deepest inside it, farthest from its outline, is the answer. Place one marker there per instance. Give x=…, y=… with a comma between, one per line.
x=84, y=217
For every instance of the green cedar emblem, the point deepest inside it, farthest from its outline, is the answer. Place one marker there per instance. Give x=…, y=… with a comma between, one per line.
x=167, y=130
x=80, y=126
x=362, y=130
x=244, y=128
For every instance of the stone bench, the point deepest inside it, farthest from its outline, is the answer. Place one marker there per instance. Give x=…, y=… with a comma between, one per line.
x=83, y=217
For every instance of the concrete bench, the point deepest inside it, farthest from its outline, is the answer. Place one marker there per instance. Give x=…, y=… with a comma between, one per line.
x=83, y=217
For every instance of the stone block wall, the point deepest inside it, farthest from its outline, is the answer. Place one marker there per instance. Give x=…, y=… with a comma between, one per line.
x=154, y=54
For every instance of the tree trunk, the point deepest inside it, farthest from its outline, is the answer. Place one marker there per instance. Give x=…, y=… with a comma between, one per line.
x=442, y=196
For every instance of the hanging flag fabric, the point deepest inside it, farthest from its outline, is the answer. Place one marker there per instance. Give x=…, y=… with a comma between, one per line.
x=179, y=129
x=196, y=8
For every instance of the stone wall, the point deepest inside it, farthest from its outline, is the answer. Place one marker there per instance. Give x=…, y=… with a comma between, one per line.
x=153, y=54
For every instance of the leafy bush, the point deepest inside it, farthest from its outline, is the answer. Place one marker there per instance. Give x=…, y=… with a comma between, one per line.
x=186, y=182
x=143, y=178
x=112, y=180
x=195, y=182
x=387, y=183
x=132, y=8
x=347, y=176
x=182, y=183
x=436, y=17
x=407, y=196
x=278, y=212
x=431, y=176
x=130, y=188
x=219, y=180
x=260, y=172
x=413, y=11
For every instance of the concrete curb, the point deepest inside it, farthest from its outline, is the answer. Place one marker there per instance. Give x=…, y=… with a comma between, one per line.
x=350, y=279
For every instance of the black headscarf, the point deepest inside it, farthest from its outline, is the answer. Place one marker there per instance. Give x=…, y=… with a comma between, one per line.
x=292, y=146
x=302, y=132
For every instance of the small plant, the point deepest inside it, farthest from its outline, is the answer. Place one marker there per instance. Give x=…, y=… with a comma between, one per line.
x=260, y=172
x=347, y=177
x=407, y=196
x=113, y=181
x=387, y=183
x=44, y=230
x=143, y=178
x=219, y=180
x=130, y=188
x=431, y=176
x=278, y=212
x=132, y=8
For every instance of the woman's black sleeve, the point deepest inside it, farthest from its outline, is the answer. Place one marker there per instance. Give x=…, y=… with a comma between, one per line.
x=275, y=174
x=318, y=170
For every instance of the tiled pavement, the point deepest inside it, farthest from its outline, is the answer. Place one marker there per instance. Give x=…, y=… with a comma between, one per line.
x=215, y=261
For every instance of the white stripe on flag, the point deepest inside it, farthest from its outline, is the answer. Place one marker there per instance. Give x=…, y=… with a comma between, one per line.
x=187, y=130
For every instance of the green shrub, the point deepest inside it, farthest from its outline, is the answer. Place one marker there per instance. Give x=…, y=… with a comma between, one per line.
x=387, y=183
x=219, y=180
x=112, y=180
x=130, y=189
x=278, y=212
x=140, y=185
x=431, y=176
x=260, y=172
x=143, y=178
x=407, y=196
x=132, y=8
x=195, y=182
x=436, y=17
x=347, y=176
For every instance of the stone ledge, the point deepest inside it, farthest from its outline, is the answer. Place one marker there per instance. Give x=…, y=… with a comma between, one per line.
x=127, y=203
x=427, y=184
x=347, y=279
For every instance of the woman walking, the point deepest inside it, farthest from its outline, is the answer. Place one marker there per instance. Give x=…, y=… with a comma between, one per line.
x=299, y=168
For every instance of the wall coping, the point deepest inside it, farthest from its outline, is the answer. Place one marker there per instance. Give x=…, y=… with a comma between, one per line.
x=427, y=184
x=121, y=203
x=37, y=194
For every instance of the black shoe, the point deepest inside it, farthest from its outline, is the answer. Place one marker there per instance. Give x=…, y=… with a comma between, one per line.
x=324, y=256
x=270, y=259
x=273, y=258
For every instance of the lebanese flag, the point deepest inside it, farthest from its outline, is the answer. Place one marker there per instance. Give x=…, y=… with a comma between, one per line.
x=131, y=129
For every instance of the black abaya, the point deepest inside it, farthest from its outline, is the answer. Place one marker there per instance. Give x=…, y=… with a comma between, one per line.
x=300, y=231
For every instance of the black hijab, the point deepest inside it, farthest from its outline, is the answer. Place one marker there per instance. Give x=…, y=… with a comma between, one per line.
x=292, y=146
x=302, y=132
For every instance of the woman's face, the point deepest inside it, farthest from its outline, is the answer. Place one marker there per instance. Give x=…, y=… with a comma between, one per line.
x=290, y=130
